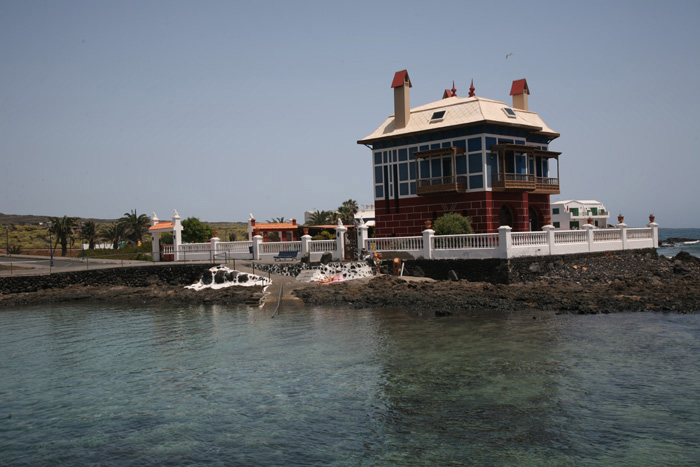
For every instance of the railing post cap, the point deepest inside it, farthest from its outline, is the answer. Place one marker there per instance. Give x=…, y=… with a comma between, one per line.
x=652, y=224
x=505, y=227
x=548, y=227
x=621, y=225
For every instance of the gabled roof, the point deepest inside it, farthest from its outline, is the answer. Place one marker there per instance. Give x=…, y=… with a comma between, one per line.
x=161, y=226
x=519, y=87
x=399, y=78
x=460, y=111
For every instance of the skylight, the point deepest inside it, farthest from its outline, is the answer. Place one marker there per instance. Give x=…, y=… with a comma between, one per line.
x=438, y=116
x=509, y=112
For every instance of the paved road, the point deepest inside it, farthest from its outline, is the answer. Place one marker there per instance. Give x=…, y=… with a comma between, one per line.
x=42, y=264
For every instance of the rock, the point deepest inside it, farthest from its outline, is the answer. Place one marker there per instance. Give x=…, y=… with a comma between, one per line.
x=306, y=258
x=326, y=258
x=220, y=276
x=207, y=277
x=534, y=267
x=418, y=272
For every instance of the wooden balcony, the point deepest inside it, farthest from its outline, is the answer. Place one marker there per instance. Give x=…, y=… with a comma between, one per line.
x=441, y=185
x=525, y=182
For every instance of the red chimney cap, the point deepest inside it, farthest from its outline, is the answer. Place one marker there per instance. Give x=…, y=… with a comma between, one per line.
x=519, y=87
x=400, y=78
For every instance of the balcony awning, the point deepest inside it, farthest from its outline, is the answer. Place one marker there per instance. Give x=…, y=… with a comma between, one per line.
x=450, y=151
x=524, y=150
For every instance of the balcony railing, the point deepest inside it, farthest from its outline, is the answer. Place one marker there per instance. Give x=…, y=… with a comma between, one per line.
x=524, y=182
x=452, y=184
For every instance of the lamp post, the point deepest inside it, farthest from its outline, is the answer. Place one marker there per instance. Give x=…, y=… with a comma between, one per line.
x=82, y=247
x=50, y=242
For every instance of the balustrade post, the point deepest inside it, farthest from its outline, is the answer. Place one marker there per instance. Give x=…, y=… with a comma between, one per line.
x=623, y=234
x=550, y=229
x=177, y=235
x=213, y=247
x=505, y=241
x=257, y=244
x=428, y=235
x=340, y=241
x=589, y=235
x=654, y=233
x=362, y=235
x=306, y=245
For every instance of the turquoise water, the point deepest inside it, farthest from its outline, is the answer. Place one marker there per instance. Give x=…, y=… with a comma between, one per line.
x=692, y=247
x=85, y=385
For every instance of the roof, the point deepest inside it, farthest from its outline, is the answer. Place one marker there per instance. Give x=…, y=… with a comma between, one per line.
x=161, y=226
x=519, y=87
x=399, y=78
x=274, y=226
x=460, y=111
x=584, y=202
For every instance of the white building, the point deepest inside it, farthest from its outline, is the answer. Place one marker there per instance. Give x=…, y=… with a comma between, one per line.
x=573, y=214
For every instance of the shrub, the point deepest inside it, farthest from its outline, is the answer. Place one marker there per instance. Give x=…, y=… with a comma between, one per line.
x=453, y=224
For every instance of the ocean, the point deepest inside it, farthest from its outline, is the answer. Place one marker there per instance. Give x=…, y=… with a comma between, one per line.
x=692, y=246
x=217, y=385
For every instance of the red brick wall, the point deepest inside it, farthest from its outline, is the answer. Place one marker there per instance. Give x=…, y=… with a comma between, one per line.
x=483, y=208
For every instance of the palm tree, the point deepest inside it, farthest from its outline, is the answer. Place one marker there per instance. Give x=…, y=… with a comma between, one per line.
x=323, y=218
x=62, y=229
x=90, y=234
x=113, y=233
x=277, y=220
x=135, y=226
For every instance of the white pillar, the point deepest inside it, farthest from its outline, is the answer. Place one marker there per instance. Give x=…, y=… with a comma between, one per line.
x=362, y=235
x=257, y=244
x=505, y=242
x=589, y=235
x=155, y=239
x=306, y=245
x=654, y=233
x=623, y=234
x=340, y=240
x=428, y=235
x=550, y=229
x=177, y=235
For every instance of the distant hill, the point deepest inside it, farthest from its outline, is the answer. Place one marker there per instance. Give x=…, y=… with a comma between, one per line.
x=26, y=219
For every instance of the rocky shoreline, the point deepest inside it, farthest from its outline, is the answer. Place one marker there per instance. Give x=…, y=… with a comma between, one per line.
x=594, y=284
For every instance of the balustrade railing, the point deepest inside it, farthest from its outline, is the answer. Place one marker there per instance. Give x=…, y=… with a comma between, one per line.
x=638, y=234
x=234, y=247
x=395, y=244
x=570, y=236
x=607, y=235
x=276, y=247
x=529, y=238
x=195, y=247
x=322, y=246
x=465, y=242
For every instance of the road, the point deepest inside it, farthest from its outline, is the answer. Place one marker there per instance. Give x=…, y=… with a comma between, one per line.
x=42, y=264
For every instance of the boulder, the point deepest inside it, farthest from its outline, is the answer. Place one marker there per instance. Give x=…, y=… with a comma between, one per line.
x=326, y=258
x=220, y=276
x=207, y=277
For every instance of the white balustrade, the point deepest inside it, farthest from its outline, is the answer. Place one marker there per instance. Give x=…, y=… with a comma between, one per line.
x=395, y=244
x=465, y=242
x=323, y=246
x=234, y=247
x=607, y=235
x=528, y=238
x=570, y=236
x=639, y=234
x=276, y=247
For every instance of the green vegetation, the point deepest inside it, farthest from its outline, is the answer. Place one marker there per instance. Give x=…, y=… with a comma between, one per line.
x=453, y=223
x=135, y=226
x=193, y=231
x=345, y=212
x=61, y=228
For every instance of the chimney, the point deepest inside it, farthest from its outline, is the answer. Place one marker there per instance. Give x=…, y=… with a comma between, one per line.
x=402, y=105
x=519, y=91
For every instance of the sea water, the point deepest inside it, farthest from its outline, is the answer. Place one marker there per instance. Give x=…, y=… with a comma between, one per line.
x=691, y=246
x=217, y=385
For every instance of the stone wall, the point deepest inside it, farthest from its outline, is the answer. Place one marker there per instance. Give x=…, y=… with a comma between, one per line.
x=139, y=276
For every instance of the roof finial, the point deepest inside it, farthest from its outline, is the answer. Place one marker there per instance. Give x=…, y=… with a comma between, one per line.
x=472, y=89
x=454, y=91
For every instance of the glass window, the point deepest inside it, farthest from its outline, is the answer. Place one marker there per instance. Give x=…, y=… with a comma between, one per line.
x=378, y=175
x=574, y=211
x=435, y=167
x=424, y=169
x=403, y=154
x=460, y=143
x=476, y=181
x=393, y=158
x=474, y=144
x=403, y=189
x=461, y=162
x=410, y=153
x=435, y=146
x=403, y=172
x=556, y=224
x=475, y=164
x=412, y=170
x=413, y=188
x=490, y=142
x=386, y=155
x=378, y=192
x=377, y=158
x=555, y=210
x=491, y=167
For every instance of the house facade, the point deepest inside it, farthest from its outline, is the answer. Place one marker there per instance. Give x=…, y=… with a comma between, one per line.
x=475, y=156
x=573, y=214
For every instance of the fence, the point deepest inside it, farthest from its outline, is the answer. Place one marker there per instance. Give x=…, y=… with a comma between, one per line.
x=508, y=244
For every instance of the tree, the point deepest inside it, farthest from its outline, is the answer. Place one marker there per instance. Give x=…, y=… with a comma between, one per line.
x=453, y=223
x=113, y=233
x=62, y=230
x=193, y=231
x=323, y=218
x=135, y=226
x=277, y=220
x=90, y=234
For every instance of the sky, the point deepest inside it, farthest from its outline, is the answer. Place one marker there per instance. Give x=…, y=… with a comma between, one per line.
x=221, y=109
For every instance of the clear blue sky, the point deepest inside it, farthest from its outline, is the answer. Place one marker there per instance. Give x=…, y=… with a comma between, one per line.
x=219, y=109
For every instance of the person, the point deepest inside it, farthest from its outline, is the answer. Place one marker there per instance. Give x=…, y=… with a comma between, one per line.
x=397, y=266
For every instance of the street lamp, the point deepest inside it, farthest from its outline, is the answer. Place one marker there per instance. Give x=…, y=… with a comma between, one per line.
x=50, y=242
x=82, y=248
